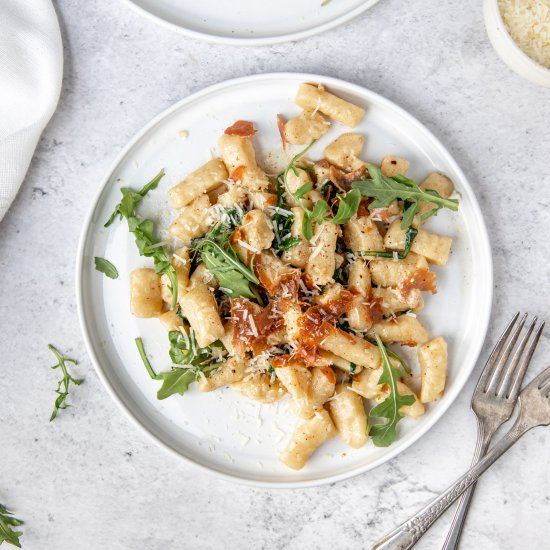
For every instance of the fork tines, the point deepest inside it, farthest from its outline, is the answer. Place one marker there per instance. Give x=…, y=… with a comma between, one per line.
x=498, y=378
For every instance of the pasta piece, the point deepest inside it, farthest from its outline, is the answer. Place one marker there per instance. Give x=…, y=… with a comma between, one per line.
x=404, y=330
x=229, y=372
x=349, y=417
x=416, y=409
x=182, y=265
x=227, y=339
x=344, y=151
x=394, y=166
x=145, y=293
x=321, y=262
x=293, y=182
x=238, y=154
x=269, y=268
x=331, y=292
x=216, y=193
x=171, y=320
x=351, y=347
x=434, y=248
x=291, y=315
x=307, y=437
x=306, y=127
x=257, y=230
x=392, y=300
x=299, y=254
x=323, y=382
x=193, y=220
x=297, y=380
x=433, y=364
x=359, y=281
x=234, y=196
x=202, y=276
x=436, y=182
x=262, y=200
x=392, y=272
x=205, y=179
x=316, y=97
x=199, y=307
x=321, y=170
x=260, y=387
x=361, y=234
x=329, y=359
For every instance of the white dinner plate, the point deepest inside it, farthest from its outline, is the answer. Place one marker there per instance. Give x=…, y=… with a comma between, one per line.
x=251, y=22
x=223, y=431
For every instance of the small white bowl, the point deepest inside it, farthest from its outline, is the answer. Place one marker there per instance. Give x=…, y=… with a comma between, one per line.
x=508, y=50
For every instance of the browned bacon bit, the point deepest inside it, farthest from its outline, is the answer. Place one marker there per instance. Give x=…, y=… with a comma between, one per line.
x=343, y=180
x=238, y=173
x=329, y=373
x=363, y=209
x=241, y=128
x=422, y=279
x=287, y=286
x=373, y=310
x=318, y=322
x=281, y=126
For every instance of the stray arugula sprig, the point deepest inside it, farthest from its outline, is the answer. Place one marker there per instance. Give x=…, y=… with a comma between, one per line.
x=7, y=522
x=384, y=190
x=178, y=379
x=144, y=231
x=348, y=204
x=384, y=434
x=222, y=261
x=106, y=267
x=63, y=385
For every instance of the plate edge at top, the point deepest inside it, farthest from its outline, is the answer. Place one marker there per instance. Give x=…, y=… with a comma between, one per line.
x=298, y=77
x=251, y=41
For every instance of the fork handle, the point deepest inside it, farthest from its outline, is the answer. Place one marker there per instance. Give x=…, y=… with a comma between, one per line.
x=459, y=518
x=409, y=533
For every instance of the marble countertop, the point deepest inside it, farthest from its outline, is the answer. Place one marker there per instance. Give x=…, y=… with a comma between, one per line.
x=90, y=479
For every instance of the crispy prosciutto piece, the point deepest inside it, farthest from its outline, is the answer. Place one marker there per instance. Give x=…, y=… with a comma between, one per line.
x=237, y=174
x=343, y=180
x=422, y=279
x=241, y=128
x=251, y=327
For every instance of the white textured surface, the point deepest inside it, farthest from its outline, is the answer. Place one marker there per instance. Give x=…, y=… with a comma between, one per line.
x=90, y=480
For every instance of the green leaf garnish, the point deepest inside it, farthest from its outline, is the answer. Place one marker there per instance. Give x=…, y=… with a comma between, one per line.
x=282, y=219
x=144, y=232
x=384, y=434
x=7, y=521
x=222, y=261
x=384, y=190
x=347, y=204
x=178, y=379
x=63, y=385
x=106, y=267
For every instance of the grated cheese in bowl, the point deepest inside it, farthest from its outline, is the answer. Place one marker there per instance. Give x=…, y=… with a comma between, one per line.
x=528, y=23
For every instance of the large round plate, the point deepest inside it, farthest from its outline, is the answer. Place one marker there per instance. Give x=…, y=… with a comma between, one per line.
x=222, y=431
x=251, y=22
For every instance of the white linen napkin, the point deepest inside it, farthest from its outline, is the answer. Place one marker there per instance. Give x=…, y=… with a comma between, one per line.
x=31, y=69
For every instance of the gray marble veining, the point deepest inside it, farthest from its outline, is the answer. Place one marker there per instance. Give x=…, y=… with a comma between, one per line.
x=90, y=480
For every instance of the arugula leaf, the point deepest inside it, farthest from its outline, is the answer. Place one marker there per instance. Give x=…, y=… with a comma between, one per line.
x=7, y=521
x=106, y=267
x=385, y=190
x=392, y=354
x=178, y=379
x=223, y=262
x=60, y=402
x=409, y=238
x=321, y=212
x=282, y=219
x=384, y=434
x=144, y=232
x=347, y=207
x=185, y=350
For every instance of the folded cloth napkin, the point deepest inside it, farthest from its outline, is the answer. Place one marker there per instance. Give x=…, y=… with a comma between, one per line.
x=31, y=69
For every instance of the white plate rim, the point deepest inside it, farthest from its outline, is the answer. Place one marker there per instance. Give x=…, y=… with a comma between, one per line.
x=483, y=319
x=252, y=41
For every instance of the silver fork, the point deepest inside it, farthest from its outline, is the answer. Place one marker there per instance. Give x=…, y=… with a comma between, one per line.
x=497, y=390
x=493, y=402
x=534, y=410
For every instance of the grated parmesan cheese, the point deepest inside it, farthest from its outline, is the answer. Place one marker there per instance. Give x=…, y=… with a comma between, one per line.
x=528, y=22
